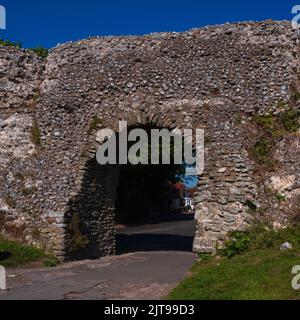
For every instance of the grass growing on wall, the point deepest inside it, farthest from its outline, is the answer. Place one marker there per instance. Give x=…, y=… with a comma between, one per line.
x=7, y=43
x=41, y=52
x=270, y=130
x=95, y=123
x=78, y=241
x=36, y=134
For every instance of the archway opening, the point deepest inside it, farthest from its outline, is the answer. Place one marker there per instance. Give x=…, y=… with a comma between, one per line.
x=154, y=203
x=124, y=208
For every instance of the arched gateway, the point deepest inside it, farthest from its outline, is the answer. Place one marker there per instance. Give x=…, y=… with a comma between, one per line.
x=222, y=79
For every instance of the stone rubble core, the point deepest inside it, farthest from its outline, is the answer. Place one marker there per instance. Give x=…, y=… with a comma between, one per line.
x=214, y=78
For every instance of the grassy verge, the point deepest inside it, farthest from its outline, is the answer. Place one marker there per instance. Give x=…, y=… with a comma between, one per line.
x=13, y=254
x=263, y=272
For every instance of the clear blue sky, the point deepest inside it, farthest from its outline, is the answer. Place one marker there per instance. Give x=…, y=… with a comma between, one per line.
x=46, y=23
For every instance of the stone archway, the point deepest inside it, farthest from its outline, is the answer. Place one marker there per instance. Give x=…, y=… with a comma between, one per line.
x=215, y=78
x=90, y=217
x=223, y=191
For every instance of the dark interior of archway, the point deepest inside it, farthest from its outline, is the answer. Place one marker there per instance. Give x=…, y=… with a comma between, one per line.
x=145, y=191
x=145, y=198
x=129, y=195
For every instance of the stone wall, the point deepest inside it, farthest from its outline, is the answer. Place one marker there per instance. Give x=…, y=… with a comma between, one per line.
x=218, y=78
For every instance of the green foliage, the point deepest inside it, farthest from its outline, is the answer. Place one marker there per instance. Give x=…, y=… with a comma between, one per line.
x=23, y=250
x=95, y=123
x=36, y=134
x=41, y=52
x=260, y=237
x=270, y=129
x=262, y=271
x=281, y=104
x=16, y=254
x=144, y=187
x=290, y=121
x=266, y=122
x=280, y=197
x=296, y=96
x=51, y=262
x=238, y=243
x=36, y=97
x=256, y=275
x=29, y=191
x=205, y=257
x=277, y=126
x=7, y=43
x=261, y=151
x=10, y=201
x=77, y=239
x=263, y=237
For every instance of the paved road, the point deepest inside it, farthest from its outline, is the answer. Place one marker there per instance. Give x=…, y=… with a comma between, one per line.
x=152, y=260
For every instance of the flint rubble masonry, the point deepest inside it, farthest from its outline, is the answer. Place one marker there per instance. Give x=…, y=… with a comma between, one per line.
x=215, y=78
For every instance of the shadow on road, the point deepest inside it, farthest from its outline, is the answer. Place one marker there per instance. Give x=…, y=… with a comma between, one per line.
x=153, y=242
x=158, y=220
x=175, y=233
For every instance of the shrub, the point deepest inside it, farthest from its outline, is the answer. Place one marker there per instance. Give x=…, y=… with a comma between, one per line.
x=266, y=122
x=13, y=253
x=41, y=52
x=77, y=239
x=261, y=151
x=31, y=253
x=260, y=237
x=237, y=243
x=290, y=120
x=7, y=43
x=270, y=130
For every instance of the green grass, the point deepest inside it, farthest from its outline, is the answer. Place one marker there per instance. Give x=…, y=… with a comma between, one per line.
x=36, y=134
x=13, y=254
x=261, y=275
x=263, y=272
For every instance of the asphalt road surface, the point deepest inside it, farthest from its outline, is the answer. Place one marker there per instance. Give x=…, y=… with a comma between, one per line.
x=152, y=259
